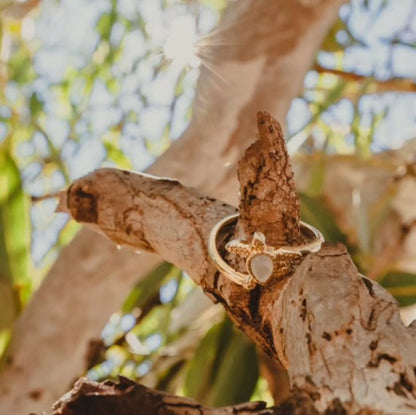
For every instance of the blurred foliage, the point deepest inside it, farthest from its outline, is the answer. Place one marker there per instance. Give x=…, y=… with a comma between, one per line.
x=89, y=84
x=221, y=353
x=15, y=235
x=314, y=210
x=402, y=285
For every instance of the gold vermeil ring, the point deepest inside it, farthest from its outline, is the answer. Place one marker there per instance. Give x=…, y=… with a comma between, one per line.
x=262, y=261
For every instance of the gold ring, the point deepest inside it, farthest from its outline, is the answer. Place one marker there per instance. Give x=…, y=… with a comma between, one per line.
x=263, y=261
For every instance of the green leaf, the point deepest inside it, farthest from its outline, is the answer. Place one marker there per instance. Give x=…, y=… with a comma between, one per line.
x=35, y=105
x=15, y=240
x=111, y=141
x=105, y=23
x=330, y=43
x=68, y=233
x=317, y=176
x=20, y=67
x=201, y=367
x=4, y=342
x=401, y=285
x=237, y=373
x=224, y=370
x=314, y=211
x=179, y=83
x=8, y=308
x=169, y=376
x=148, y=287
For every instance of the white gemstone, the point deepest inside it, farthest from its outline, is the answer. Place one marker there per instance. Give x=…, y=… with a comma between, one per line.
x=261, y=267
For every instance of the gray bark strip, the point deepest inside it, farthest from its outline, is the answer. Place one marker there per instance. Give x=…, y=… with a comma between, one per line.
x=51, y=339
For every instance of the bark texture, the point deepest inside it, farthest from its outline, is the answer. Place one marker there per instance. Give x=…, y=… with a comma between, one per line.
x=269, y=203
x=355, y=355
x=261, y=67
x=127, y=397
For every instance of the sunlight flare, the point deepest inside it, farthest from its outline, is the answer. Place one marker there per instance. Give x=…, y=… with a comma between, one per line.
x=180, y=45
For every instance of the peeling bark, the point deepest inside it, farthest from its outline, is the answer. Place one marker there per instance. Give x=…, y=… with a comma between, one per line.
x=353, y=355
x=266, y=70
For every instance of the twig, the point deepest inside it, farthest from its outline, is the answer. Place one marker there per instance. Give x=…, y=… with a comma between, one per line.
x=35, y=199
x=376, y=85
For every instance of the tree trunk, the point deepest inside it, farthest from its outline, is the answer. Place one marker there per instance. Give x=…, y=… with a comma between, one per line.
x=275, y=42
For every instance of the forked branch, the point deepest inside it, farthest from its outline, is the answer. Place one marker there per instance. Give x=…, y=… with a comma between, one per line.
x=339, y=334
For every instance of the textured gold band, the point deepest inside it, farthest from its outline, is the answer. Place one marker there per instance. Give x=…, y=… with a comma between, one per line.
x=263, y=261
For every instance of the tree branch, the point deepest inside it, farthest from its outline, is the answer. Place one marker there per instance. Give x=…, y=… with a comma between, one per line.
x=334, y=350
x=127, y=397
x=376, y=86
x=162, y=216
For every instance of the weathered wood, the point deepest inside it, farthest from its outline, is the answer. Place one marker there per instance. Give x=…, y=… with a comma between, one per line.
x=268, y=200
x=339, y=334
x=127, y=398
x=164, y=217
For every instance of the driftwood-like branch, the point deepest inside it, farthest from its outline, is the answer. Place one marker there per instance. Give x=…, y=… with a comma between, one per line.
x=338, y=333
x=127, y=398
x=161, y=216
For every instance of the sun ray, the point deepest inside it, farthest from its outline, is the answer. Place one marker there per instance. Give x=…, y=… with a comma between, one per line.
x=214, y=72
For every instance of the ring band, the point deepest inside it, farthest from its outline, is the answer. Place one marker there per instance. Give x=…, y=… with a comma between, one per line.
x=263, y=261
